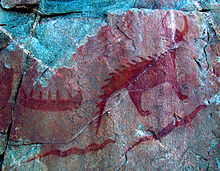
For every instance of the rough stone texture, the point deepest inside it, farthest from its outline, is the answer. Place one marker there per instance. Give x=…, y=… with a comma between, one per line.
x=18, y=3
x=186, y=5
x=83, y=7
x=128, y=89
x=3, y=141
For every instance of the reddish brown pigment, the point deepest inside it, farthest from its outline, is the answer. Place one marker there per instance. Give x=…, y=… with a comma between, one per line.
x=6, y=79
x=49, y=104
x=178, y=37
x=139, y=77
x=31, y=96
x=143, y=75
x=75, y=150
x=170, y=127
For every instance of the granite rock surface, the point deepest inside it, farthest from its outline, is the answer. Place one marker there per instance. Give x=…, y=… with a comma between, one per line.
x=109, y=85
x=8, y=4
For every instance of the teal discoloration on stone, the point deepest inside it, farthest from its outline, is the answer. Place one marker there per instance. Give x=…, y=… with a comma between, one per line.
x=16, y=156
x=16, y=23
x=212, y=145
x=218, y=163
x=16, y=26
x=186, y=5
x=85, y=7
x=17, y=3
x=55, y=41
x=3, y=139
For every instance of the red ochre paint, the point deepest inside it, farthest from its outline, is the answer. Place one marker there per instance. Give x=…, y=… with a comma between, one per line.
x=178, y=37
x=6, y=79
x=139, y=77
x=49, y=104
x=170, y=127
x=75, y=150
x=143, y=75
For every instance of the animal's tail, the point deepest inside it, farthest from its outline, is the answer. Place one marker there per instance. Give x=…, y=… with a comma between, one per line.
x=101, y=107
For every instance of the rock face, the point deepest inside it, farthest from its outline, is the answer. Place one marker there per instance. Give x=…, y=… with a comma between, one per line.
x=115, y=85
x=83, y=7
x=18, y=3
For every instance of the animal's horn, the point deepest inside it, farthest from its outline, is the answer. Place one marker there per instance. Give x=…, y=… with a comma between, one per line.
x=164, y=20
x=185, y=30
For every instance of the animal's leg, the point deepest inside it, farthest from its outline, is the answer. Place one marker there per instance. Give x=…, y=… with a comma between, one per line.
x=136, y=99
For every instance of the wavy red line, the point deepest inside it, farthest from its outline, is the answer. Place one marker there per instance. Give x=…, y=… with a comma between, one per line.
x=75, y=150
x=170, y=127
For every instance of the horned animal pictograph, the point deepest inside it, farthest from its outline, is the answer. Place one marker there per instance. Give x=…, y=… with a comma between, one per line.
x=139, y=76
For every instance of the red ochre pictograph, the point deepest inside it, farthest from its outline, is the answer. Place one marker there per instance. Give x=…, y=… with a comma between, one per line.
x=136, y=77
x=178, y=35
x=6, y=79
x=75, y=150
x=48, y=104
x=95, y=147
x=36, y=97
x=170, y=127
x=143, y=75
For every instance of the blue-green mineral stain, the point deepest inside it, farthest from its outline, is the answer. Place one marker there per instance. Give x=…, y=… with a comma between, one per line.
x=218, y=163
x=212, y=145
x=94, y=8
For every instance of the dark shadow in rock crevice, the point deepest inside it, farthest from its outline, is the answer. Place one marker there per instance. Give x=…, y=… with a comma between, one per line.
x=2, y=156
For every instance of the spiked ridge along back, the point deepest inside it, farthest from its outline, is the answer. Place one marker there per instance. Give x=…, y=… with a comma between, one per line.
x=150, y=68
x=138, y=78
x=121, y=79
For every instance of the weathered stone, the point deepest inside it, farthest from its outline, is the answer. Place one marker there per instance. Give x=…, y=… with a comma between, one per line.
x=4, y=40
x=11, y=69
x=83, y=7
x=14, y=32
x=18, y=3
x=186, y=5
x=3, y=140
x=64, y=36
x=132, y=90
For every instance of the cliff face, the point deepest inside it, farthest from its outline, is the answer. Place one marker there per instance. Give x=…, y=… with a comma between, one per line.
x=109, y=85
